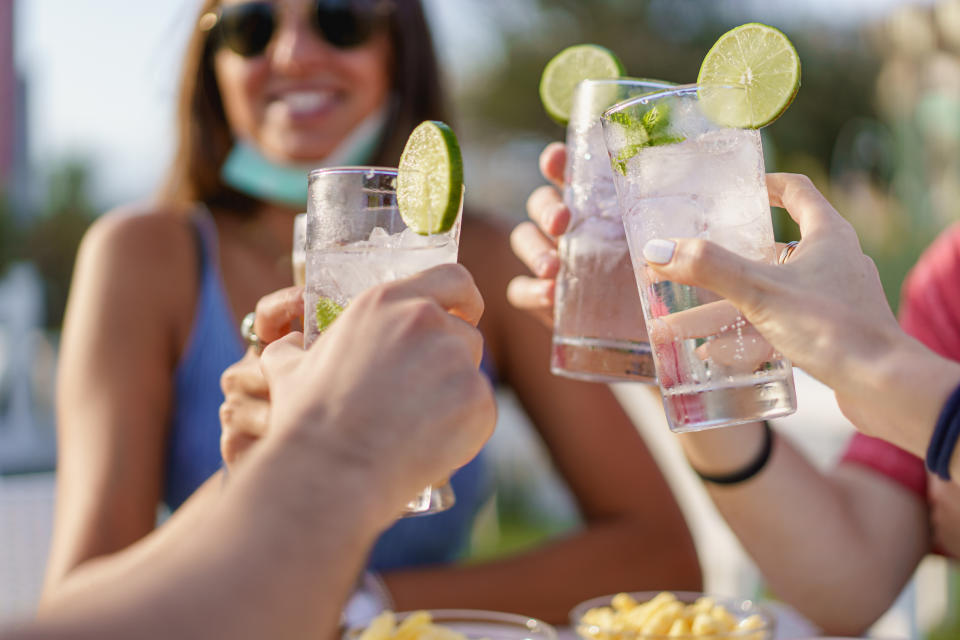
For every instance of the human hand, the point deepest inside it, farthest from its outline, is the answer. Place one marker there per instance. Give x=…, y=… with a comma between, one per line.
x=822, y=309
x=393, y=385
x=245, y=412
x=732, y=342
x=945, y=514
x=534, y=241
x=278, y=313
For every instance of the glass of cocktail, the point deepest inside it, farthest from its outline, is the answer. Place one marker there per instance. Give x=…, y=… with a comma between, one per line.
x=598, y=331
x=680, y=173
x=356, y=238
x=299, y=253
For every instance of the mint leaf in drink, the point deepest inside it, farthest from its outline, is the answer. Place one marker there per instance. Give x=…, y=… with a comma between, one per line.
x=656, y=119
x=326, y=312
x=625, y=119
x=647, y=130
x=620, y=162
x=659, y=141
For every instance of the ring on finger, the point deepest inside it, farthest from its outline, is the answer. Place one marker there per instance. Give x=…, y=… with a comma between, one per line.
x=787, y=251
x=247, y=333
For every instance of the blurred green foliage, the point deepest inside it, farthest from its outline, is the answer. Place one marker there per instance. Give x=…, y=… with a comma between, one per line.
x=665, y=41
x=49, y=237
x=10, y=234
x=56, y=234
x=820, y=135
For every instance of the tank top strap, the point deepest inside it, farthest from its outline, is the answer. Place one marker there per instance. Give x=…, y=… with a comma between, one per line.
x=207, y=246
x=214, y=344
x=212, y=299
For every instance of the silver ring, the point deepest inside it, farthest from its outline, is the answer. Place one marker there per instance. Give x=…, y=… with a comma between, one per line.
x=787, y=251
x=246, y=332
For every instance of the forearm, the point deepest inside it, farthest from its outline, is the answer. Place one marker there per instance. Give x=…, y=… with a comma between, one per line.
x=899, y=394
x=79, y=585
x=817, y=539
x=291, y=564
x=547, y=582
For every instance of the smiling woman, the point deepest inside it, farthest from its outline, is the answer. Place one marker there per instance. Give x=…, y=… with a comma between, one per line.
x=268, y=89
x=296, y=103
x=295, y=97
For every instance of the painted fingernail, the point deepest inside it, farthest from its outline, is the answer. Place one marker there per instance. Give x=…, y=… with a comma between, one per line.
x=546, y=292
x=541, y=266
x=544, y=264
x=550, y=220
x=659, y=251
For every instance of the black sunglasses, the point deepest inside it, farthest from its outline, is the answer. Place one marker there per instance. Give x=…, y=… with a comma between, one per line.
x=246, y=28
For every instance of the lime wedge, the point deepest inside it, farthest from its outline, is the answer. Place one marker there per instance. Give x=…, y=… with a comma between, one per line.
x=327, y=312
x=761, y=59
x=569, y=68
x=430, y=179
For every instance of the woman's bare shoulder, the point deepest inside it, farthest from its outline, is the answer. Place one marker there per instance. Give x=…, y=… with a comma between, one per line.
x=142, y=254
x=141, y=229
x=144, y=240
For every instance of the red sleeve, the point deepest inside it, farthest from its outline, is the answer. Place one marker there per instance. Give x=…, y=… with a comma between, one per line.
x=930, y=312
x=900, y=466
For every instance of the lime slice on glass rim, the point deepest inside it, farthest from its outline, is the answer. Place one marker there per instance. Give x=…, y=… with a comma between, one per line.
x=569, y=68
x=430, y=179
x=761, y=60
x=326, y=312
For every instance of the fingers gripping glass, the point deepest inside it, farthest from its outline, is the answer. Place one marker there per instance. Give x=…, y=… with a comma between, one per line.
x=246, y=28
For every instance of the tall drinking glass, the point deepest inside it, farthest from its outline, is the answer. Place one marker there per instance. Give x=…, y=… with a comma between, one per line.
x=356, y=239
x=598, y=330
x=680, y=174
x=299, y=253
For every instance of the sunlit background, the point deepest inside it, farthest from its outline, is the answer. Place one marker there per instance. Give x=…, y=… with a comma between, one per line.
x=86, y=99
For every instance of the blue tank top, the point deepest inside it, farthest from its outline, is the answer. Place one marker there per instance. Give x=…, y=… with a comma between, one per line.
x=194, y=441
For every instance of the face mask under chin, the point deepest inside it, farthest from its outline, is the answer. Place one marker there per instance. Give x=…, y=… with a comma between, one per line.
x=248, y=171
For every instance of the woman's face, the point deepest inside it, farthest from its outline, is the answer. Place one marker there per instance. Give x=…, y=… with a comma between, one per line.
x=302, y=96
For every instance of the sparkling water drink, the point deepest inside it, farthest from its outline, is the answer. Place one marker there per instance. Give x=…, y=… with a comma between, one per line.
x=678, y=174
x=341, y=273
x=599, y=333
x=299, y=254
x=356, y=239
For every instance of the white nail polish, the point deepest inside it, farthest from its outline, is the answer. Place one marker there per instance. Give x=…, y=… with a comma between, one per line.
x=659, y=251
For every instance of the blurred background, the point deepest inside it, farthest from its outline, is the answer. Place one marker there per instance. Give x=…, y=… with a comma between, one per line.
x=86, y=112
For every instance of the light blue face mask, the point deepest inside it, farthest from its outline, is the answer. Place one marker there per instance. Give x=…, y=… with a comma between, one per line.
x=250, y=172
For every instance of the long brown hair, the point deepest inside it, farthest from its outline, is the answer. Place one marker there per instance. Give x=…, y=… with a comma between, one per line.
x=204, y=138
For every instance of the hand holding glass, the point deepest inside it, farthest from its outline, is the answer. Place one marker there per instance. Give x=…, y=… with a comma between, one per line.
x=694, y=178
x=356, y=238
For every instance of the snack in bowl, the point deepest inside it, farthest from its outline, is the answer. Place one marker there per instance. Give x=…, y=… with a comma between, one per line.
x=453, y=624
x=647, y=615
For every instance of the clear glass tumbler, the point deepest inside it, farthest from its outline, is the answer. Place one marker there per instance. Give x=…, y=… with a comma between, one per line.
x=598, y=333
x=680, y=174
x=299, y=254
x=356, y=239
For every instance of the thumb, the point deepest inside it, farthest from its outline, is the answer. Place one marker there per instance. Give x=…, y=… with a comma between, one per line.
x=701, y=263
x=281, y=355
